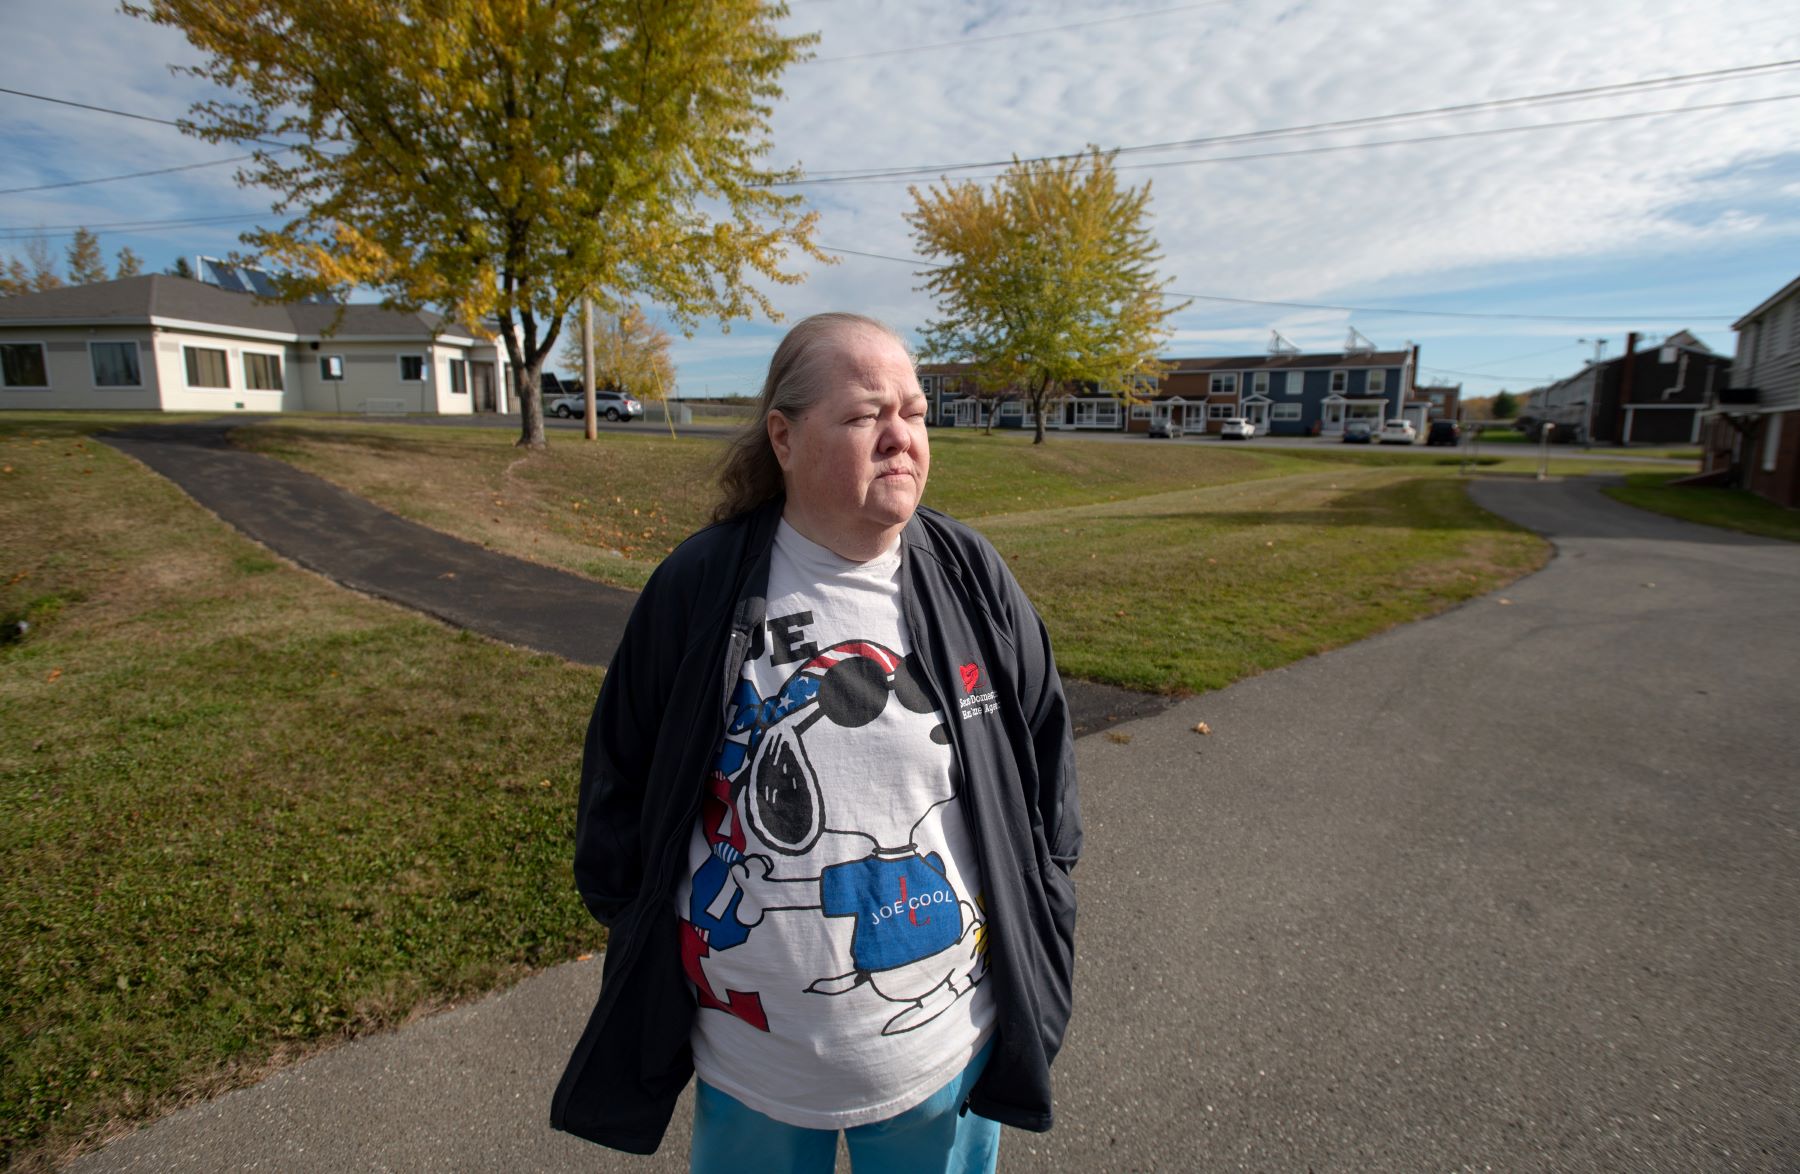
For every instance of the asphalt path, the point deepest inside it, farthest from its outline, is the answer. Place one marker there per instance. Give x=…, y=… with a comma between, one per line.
x=1512, y=888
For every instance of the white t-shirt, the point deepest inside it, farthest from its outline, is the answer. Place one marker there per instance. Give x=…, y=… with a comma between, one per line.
x=832, y=924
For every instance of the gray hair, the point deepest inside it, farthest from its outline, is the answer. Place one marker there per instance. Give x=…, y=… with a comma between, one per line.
x=798, y=375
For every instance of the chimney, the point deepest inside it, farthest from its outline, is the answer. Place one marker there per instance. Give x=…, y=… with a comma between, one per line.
x=1625, y=371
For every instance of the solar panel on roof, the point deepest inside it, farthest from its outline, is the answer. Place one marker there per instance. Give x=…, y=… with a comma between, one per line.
x=245, y=279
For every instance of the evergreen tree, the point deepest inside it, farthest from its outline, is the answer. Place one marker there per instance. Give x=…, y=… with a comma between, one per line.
x=15, y=279
x=86, y=266
x=127, y=263
x=43, y=267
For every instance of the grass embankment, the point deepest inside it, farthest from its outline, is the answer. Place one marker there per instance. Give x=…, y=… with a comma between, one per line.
x=242, y=812
x=1678, y=452
x=612, y=508
x=1157, y=566
x=1733, y=509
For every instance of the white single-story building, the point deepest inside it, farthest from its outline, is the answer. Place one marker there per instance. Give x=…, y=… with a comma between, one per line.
x=171, y=344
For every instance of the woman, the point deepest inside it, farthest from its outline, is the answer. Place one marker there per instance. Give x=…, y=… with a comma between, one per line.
x=828, y=808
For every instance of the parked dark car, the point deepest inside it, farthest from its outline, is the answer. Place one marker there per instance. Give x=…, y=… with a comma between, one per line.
x=1165, y=429
x=1359, y=432
x=1443, y=432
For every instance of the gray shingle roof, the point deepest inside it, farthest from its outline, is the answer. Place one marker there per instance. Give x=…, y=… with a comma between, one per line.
x=1309, y=360
x=158, y=295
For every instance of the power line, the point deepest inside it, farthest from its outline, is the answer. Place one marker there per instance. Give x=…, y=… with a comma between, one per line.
x=1388, y=310
x=76, y=183
x=1521, y=358
x=178, y=125
x=1009, y=36
x=1553, y=97
x=18, y=232
x=1495, y=378
x=877, y=179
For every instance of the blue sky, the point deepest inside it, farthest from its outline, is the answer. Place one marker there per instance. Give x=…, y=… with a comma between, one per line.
x=1647, y=221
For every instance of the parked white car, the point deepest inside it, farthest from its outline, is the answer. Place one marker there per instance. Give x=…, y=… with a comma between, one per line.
x=1237, y=428
x=1398, y=432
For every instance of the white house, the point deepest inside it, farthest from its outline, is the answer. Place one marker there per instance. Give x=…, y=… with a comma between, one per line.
x=172, y=344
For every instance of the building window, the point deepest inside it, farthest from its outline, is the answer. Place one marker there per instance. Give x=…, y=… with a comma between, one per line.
x=459, y=377
x=412, y=368
x=1284, y=411
x=928, y=384
x=1296, y=382
x=1377, y=381
x=115, y=364
x=1011, y=410
x=22, y=365
x=331, y=368
x=1772, y=443
x=1225, y=384
x=1340, y=382
x=262, y=372
x=1140, y=411
x=1220, y=411
x=206, y=367
x=1259, y=383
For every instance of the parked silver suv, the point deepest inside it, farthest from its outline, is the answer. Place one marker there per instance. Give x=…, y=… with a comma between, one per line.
x=608, y=405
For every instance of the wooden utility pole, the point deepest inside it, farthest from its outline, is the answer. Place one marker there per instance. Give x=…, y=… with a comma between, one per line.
x=587, y=366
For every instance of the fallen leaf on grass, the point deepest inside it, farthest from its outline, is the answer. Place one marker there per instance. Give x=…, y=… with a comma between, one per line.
x=1202, y=728
x=584, y=957
x=54, y=673
x=448, y=575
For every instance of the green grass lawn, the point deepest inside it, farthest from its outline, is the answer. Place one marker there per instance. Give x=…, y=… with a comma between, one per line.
x=1194, y=589
x=243, y=813
x=1733, y=509
x=1168, y=567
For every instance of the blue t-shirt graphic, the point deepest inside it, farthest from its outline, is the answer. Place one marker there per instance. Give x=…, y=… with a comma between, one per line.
x=905, y=909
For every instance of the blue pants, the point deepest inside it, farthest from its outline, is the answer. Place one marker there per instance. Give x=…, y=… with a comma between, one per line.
x=930, y=1138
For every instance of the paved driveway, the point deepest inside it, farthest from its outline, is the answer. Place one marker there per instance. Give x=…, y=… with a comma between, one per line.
x=1512, y=888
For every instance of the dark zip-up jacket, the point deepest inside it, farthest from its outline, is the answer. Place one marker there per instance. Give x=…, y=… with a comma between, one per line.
x=650, y=747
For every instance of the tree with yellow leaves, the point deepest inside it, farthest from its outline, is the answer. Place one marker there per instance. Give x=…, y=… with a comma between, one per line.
x=498, y=159
x=631, y=353
x=1046, y=282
